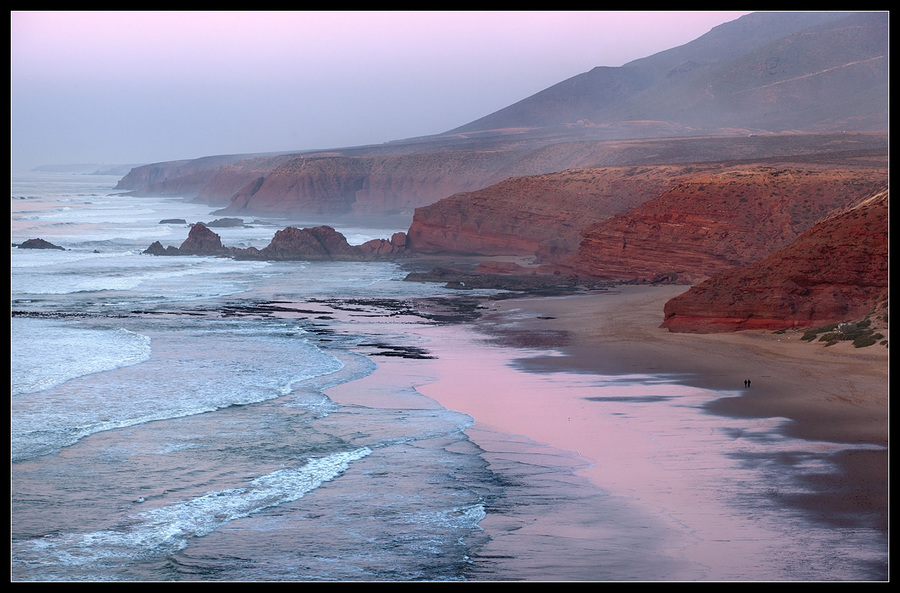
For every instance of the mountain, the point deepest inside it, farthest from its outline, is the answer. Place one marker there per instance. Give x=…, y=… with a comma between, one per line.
x=764, y=76
x=769, y=72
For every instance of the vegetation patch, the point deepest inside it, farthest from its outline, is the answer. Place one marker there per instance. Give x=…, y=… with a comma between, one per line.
x=860, y=334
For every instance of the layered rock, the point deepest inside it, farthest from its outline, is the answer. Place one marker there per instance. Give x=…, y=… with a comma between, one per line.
x=540, y=215
x=716, y=221
x=836, y=271
x=367, y=183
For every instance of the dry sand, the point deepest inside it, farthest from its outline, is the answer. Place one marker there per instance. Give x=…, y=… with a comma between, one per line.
x=530, y=367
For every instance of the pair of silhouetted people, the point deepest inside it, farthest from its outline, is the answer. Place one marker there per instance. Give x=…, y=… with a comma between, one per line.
x=746, y=382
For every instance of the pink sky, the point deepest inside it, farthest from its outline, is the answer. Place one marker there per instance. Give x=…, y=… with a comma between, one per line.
x=129, y=87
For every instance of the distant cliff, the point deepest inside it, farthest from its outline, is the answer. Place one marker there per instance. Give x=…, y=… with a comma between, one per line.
x=836, y=271
x=360, y=185
x=184, y=178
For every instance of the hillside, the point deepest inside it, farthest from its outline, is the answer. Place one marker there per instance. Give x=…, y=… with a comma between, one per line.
x=769, y=72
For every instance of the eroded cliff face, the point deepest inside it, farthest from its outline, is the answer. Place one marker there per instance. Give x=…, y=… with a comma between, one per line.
x=540, y=215
x=186, y=178
x=836, y=271
x=396, y=179
x=716, y=221
x=341, y=185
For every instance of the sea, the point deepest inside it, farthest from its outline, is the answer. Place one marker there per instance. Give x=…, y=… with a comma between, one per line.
x=170, y=421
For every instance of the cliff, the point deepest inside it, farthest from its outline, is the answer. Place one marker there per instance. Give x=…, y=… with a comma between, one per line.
x=541, y=215
x=836, y=271
x=356, y=185
x=718, y=220
x=175, y=178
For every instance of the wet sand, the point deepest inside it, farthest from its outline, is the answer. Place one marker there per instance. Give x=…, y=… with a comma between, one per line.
x=837, y=393
x=558, y=371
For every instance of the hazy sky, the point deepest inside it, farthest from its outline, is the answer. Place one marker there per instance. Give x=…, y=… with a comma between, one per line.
x=138, y=87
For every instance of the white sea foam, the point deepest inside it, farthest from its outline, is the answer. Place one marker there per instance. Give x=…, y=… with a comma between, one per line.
x=47, y=353
x=169, y=528
x=241, y=365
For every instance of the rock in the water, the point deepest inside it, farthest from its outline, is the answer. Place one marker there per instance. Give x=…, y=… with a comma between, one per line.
x=39, y=244
x=157, y=249
x=202, y=241
x=226, y=222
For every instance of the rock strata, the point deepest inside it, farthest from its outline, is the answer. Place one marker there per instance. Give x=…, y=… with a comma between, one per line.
x=715, y=221
x=836, y=271
x=538, y=215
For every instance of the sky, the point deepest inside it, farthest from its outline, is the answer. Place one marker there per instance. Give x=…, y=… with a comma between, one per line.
x=144, y=87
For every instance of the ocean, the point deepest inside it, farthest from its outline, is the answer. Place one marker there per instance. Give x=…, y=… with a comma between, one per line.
x=170, y=421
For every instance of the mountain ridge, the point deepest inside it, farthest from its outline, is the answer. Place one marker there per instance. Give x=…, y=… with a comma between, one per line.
x=666, y=95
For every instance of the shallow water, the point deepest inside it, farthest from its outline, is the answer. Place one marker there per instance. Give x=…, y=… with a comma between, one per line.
x=170, y=420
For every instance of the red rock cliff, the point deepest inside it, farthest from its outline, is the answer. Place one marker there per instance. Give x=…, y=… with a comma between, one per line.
x=715, y=221
x=836, y=271
x=539, y=215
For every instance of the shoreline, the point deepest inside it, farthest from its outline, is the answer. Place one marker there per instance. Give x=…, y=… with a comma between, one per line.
x=530, y=366
x=836, y=394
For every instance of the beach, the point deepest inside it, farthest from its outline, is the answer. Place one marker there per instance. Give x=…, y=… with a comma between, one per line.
x=568, y=372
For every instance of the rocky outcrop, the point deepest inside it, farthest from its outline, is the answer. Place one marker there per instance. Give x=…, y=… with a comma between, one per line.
x=226, y=222
x=836, y=271
x=540, y=215
x=716, y=221
x=316, y=243
x=202, y=241
x=38, y=244
x=320, y=243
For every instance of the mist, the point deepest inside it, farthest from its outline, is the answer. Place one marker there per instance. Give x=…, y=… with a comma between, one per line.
x=141, y=87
